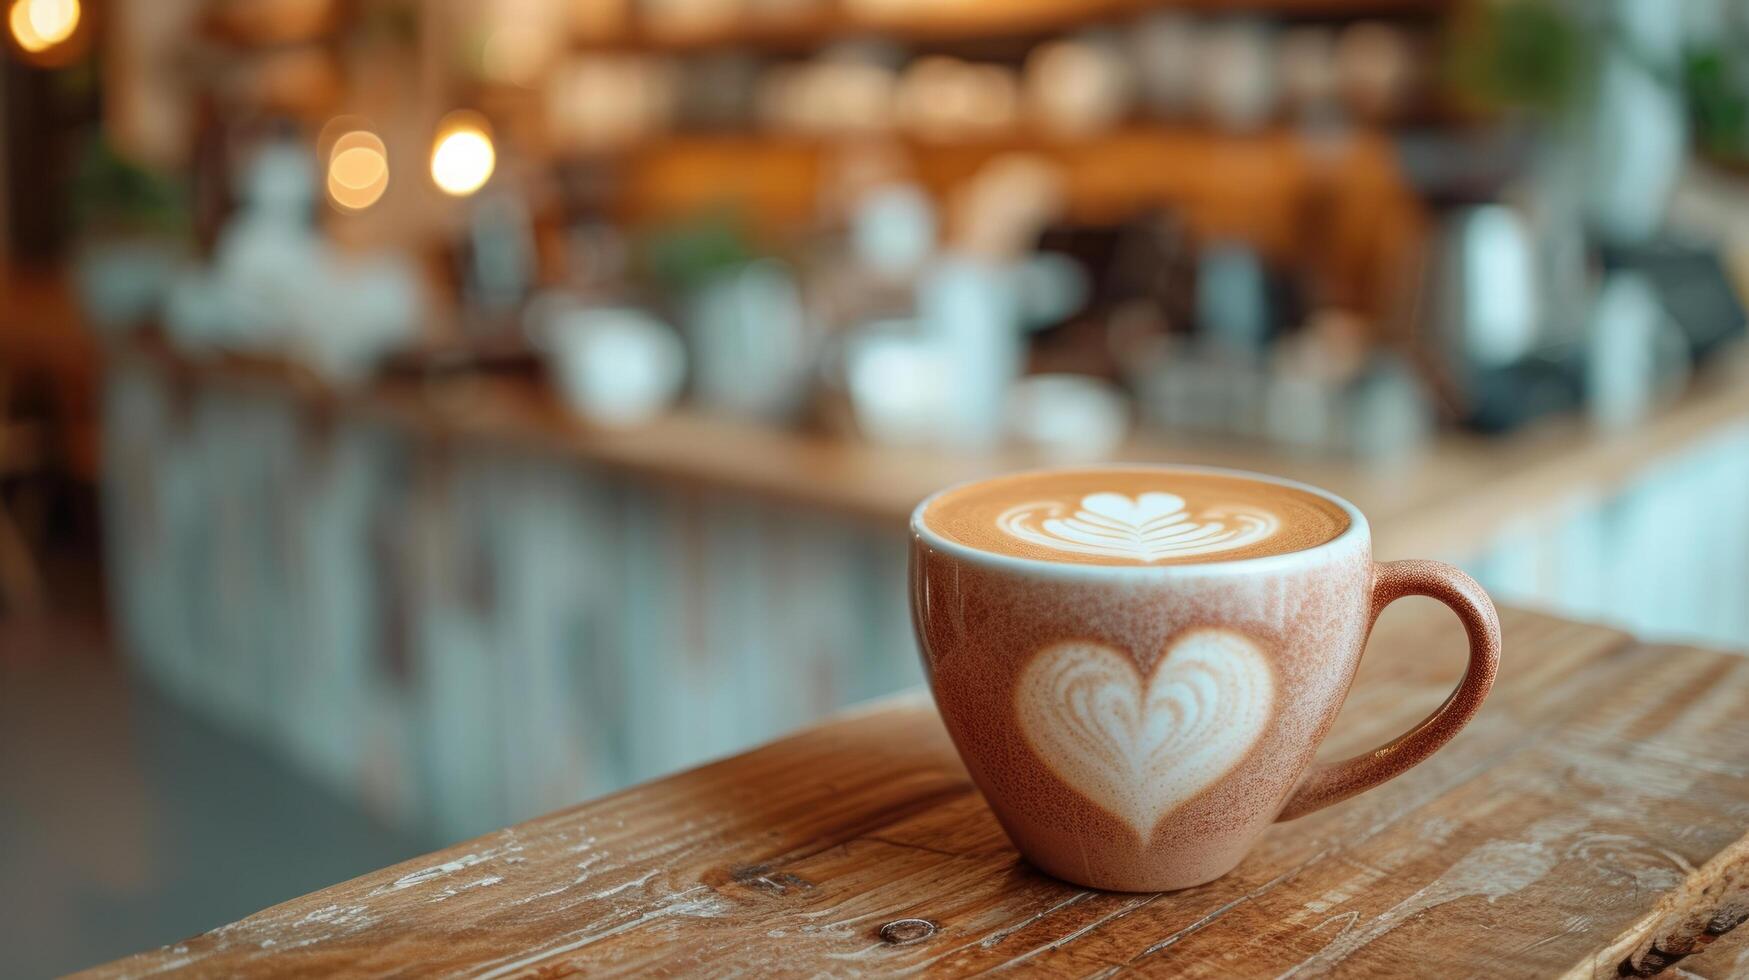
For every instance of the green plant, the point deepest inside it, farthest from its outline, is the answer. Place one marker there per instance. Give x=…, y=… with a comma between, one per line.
x=1520, y=54
x=683, y=257
x=1718, y=100
x=112, y=193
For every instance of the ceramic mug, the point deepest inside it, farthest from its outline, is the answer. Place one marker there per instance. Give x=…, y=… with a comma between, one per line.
x=1138, y=678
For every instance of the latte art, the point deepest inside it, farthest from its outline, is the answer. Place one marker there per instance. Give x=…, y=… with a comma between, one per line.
x=1147, y=528
x=1140, y=516
x=1140, y=747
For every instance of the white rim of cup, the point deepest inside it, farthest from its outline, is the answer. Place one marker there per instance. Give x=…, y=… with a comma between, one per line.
x=1358, y=528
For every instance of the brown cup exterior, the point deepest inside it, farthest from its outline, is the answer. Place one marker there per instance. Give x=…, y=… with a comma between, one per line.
x=981, y=618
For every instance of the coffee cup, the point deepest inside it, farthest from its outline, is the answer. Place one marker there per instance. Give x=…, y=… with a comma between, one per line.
x=1138, y=664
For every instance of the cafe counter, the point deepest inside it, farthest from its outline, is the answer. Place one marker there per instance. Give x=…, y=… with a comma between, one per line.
x=463, y=606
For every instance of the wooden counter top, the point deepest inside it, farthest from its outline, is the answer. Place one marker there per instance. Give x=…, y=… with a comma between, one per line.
x=1440, y=502
x=1591, y=822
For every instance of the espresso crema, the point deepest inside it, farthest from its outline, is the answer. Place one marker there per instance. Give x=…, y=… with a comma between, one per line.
x=1134, y=516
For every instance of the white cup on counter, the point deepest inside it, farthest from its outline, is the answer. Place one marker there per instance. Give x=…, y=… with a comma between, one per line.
x=895, y=380
x=749, y=337
x=1068, y=417
x=614, y=366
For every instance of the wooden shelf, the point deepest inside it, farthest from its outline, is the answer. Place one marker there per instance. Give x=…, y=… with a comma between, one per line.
x=1258, y=187
x=969, y=20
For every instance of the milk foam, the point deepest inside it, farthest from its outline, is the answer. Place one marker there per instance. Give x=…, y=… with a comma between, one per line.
x=1146, y=528
x=1135, y=516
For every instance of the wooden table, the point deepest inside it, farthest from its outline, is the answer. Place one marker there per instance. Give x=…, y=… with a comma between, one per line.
x=1591, y=823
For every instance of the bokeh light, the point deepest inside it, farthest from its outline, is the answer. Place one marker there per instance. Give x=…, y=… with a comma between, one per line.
x=358, y=170
x=38, y=25
x=462, y=158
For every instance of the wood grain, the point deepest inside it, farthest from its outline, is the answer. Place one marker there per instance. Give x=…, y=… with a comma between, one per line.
x=1590, y=823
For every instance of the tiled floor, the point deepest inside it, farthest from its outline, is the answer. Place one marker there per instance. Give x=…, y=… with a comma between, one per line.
x=125, y=823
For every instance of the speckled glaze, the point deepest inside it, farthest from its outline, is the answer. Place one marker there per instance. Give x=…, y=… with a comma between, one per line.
x=982, y=619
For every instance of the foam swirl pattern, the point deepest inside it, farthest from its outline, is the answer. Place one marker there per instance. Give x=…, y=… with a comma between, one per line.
x=1137, y=516
x=1147, y=528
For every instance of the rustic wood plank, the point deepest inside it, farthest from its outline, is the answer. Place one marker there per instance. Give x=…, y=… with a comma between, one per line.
x=1593, y=816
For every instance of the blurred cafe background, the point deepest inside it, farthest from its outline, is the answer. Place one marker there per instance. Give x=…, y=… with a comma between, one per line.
x=417, y=415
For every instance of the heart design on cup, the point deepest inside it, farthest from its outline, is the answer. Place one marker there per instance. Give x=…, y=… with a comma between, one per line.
x=1139, y=745
x=1147, y=528
x=1136, y=513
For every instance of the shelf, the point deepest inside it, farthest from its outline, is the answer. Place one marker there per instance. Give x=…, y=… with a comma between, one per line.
x=1121, y=138
x=970, y=20
x=1138, y=162
x=1344, y=213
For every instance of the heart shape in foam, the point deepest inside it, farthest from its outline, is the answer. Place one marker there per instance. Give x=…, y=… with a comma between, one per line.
x=1140, y=746
x=1135, y=513
x=1148, y=528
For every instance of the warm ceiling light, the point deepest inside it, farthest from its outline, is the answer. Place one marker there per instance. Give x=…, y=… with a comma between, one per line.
x=462, y=158
x=38, y=25
x=358, y=170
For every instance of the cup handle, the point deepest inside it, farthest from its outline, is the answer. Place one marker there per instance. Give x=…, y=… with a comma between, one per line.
x=1337, y=781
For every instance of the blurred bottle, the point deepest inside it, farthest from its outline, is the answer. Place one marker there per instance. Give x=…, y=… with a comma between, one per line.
x=1637, y=356
x=968, y=301
x=498, y=258
x=893, y=231
x=966, y=305
x=1163, y=48
x=1638, y=139
x=1232, y=301
x=748, y=333
x=1235, y=75
x=1492, y=312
